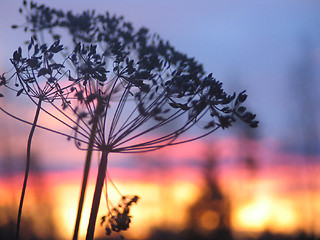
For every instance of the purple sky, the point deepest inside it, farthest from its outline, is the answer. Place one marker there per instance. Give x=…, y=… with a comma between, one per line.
x=251, y=45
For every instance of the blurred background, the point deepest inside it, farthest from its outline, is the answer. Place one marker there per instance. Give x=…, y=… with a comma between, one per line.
x=235, y=184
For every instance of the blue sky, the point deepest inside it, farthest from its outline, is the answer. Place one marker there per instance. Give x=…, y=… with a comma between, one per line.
x=252, y=45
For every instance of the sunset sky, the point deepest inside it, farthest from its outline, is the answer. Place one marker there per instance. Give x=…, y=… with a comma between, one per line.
x=275, y=195
x=252, y=45
x=269, y=48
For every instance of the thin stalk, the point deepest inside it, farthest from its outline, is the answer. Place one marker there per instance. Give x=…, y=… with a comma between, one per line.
x=85, y=175
x=28, y=161
x=97, y=194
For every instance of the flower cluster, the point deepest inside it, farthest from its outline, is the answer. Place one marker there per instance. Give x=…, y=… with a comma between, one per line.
x=37, y=75
x=165, y=84
x=118, y=218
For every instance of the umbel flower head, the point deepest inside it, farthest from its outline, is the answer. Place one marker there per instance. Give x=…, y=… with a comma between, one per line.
x=40, y=76
x=133, y=102
x=121, y=90
x=142, y=84
x=37, y=75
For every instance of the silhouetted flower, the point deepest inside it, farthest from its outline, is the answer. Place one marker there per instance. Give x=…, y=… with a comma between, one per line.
x=118, y=218
x=36, y=76
x=116, y=62
x=123, y=89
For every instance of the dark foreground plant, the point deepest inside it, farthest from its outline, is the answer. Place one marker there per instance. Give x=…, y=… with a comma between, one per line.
x=36, y=76
x=118, y=218
x=120, y=91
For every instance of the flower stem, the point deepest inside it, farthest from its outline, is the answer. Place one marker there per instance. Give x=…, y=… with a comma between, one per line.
x=85, y=176
x=97, y=194
x=28, y=161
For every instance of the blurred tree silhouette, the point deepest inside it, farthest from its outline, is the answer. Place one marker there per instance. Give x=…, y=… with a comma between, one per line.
x=209, y=217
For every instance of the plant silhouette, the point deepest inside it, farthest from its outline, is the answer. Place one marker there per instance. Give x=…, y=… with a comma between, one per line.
x=36, y=76
x=117, y=89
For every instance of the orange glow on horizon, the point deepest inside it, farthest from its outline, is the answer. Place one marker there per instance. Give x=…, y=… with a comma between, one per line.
x=152, y=210
x=159, y=201
x=266, y=212
x=273, y=197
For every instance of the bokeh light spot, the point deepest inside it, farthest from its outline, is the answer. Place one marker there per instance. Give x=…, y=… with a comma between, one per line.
x=209, y=220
